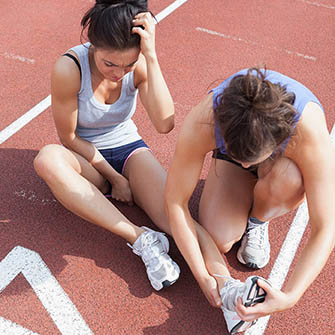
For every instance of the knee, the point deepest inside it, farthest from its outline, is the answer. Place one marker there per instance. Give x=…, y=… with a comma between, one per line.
x=284, y=181
x=44, y=162
x=225, y=239
x=224, y=248
x=223, y=232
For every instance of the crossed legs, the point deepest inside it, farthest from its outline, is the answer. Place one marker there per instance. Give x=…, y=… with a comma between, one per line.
x=80, y=188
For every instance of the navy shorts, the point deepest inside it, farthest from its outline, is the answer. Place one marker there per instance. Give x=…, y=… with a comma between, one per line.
x=217, y=154
x=118, y=157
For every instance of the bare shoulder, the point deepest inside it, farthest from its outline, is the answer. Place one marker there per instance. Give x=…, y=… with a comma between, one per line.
x=65, y=76
x=311, y=132
x=198, y=126
x=312, y=126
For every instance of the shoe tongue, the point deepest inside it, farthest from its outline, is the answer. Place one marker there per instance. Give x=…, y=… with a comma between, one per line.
x=233, y=290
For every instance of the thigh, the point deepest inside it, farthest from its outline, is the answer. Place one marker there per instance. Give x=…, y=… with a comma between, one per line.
x=226, y=201
x=57, y=160
x=147, y=181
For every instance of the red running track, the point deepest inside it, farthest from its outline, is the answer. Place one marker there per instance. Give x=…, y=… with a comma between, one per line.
x=199, y=43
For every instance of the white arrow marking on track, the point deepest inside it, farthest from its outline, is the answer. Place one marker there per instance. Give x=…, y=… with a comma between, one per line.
x=52, y=296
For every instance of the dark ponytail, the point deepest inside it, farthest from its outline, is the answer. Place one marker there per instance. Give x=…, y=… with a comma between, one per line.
x=109, y=23
x=254, y=115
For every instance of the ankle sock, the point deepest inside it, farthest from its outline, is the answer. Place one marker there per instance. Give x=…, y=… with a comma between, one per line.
x=254, y=222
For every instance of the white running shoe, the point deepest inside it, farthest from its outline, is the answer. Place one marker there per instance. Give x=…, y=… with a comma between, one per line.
x=250, y=293
x=254, y=251
x=153, y=247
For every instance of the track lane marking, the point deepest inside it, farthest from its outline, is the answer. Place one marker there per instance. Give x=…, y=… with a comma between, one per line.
x=318, y=4
x=52, y=296
x=24, y=119
x=239, y=39
x=10, y=55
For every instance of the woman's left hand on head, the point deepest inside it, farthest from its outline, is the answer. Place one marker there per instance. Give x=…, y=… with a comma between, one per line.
x=147, y=34
x=275, y=301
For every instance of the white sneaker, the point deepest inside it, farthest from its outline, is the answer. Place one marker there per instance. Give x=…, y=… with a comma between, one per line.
x=250, y=293
x=153, y=247
x=254, y=251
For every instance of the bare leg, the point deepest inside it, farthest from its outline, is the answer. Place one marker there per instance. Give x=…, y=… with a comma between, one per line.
x=78, y=186
x=225, y=203
x=223, y=212
x=147, y=180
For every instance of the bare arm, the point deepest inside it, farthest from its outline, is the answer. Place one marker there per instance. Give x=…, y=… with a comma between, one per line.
x=316, y=160
x=65, y=85
x=194, y=141
x=314, y=154
x=154, y=93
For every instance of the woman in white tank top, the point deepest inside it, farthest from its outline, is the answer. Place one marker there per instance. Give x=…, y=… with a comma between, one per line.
x=94, y=93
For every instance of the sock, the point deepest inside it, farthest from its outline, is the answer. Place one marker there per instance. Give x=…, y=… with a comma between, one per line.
x=254, y=222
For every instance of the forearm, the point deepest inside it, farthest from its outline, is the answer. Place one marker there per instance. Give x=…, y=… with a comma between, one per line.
x=310, y=264
x=159, y=103
x=186, y=238
x=88, y=151
x=213, y=258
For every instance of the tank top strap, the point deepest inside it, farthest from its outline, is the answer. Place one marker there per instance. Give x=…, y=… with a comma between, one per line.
x=82, y=53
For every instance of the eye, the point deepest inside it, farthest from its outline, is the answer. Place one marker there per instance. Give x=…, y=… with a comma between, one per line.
x=109, y=65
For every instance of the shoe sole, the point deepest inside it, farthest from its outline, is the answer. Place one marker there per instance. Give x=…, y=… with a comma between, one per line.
x=160, y=285
x=255, y=295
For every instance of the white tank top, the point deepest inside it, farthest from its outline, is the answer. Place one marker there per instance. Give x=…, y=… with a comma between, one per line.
x=105, y=125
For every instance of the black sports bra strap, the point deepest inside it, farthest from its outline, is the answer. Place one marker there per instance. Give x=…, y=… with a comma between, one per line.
x=75, y=60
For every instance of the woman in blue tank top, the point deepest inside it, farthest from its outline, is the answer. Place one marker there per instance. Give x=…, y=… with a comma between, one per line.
x=94, y=88
x=271, y=149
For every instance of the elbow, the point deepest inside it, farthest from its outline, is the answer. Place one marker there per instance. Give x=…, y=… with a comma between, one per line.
x=66, y=140
x=166, y=126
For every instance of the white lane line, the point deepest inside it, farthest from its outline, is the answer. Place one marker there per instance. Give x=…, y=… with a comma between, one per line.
x=43, y=105
x=17, y=57
x=57, y=303
x=169, y=9
x=313, y=3
x=25, y=119
x=239, y=39
x=286, y=255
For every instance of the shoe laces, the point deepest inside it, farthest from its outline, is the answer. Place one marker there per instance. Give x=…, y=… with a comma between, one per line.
x=257, y=234
x=151, y=246
x=232, y=290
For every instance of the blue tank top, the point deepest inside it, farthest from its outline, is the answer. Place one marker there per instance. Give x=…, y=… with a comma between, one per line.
x=105, y=125
x=302, y=96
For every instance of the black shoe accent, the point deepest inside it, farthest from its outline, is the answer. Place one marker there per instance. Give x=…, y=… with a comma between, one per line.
x=259, y=293
x=237, y=327
x=252, y=266
x=167, y=283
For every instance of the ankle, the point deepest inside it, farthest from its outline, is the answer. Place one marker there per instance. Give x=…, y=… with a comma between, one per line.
x=221, y=280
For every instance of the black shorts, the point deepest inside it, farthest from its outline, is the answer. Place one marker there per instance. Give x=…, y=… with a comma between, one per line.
x=217, y=154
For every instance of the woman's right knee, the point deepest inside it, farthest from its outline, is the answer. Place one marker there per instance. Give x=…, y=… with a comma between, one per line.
x=47, y=159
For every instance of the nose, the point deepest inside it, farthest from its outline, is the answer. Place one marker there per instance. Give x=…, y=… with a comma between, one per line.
x=246, y=165
x=120, y=72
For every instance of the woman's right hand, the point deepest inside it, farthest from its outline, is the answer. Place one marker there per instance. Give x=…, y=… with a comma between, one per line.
x=121, y=190
x=210, y=289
